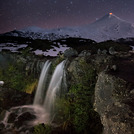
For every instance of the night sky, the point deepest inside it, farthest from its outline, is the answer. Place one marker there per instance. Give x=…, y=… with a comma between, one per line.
x=17, y=14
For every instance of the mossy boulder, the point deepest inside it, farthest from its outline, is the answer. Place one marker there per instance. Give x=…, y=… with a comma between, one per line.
x=70, y=53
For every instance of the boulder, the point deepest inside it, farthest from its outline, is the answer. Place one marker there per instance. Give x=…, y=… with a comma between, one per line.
x=113, y=102
x=112, y=51
x=75, y=70
x=114, y=68
x=84, y=53
x=104, y=51
x=70, y=53
x=99, y=52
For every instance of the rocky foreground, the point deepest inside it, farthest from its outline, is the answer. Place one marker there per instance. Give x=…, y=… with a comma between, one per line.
x=112, y=98
x=114, y=89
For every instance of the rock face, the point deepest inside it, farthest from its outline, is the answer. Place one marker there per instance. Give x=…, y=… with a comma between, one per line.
x=32, y=64
x=114, y=103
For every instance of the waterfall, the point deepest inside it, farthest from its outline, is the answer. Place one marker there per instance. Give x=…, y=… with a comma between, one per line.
x=42, y=110
x=54, y=87
x=58, y=79
x=39, y=96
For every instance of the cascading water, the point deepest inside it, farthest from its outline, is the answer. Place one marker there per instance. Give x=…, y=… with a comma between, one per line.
x=39, y=96
x=43, y=106
x=54, y=87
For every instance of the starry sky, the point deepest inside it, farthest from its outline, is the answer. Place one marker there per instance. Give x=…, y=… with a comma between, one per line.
x=18, y=14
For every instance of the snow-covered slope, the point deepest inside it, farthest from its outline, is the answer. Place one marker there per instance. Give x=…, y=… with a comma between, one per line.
x=107, y=27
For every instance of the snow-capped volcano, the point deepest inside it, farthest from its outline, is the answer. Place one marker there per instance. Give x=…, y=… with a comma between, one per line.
x=106, y=28
x=109, y=27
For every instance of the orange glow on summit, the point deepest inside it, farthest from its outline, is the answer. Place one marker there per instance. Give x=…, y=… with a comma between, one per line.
x=110, y=13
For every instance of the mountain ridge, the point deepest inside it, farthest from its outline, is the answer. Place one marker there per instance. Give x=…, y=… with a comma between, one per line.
x=108, y=27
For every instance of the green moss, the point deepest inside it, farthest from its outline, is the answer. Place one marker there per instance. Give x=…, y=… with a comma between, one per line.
x=15, y=77
x=42, y=129
x=26, y=52
x=84, y=119
x=30, y=87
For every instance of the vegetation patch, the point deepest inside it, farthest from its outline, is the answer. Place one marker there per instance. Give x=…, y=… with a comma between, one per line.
x=14, y=76
x=42, y=129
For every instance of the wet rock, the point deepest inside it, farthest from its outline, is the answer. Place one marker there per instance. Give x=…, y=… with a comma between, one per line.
x=23, y=118
x=1, y=126
x=12, y=117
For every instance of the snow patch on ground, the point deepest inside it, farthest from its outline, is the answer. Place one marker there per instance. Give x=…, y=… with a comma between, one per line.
x=132, y=48
x=11, y=47
x=52, y=52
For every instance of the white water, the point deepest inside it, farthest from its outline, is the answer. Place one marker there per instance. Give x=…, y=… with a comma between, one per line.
x=1, y=83
x=39, y=112
x=39, y=96
x=54, y=87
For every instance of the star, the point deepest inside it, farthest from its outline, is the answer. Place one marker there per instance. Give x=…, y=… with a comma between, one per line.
x=50, y=13
x=71, y=2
